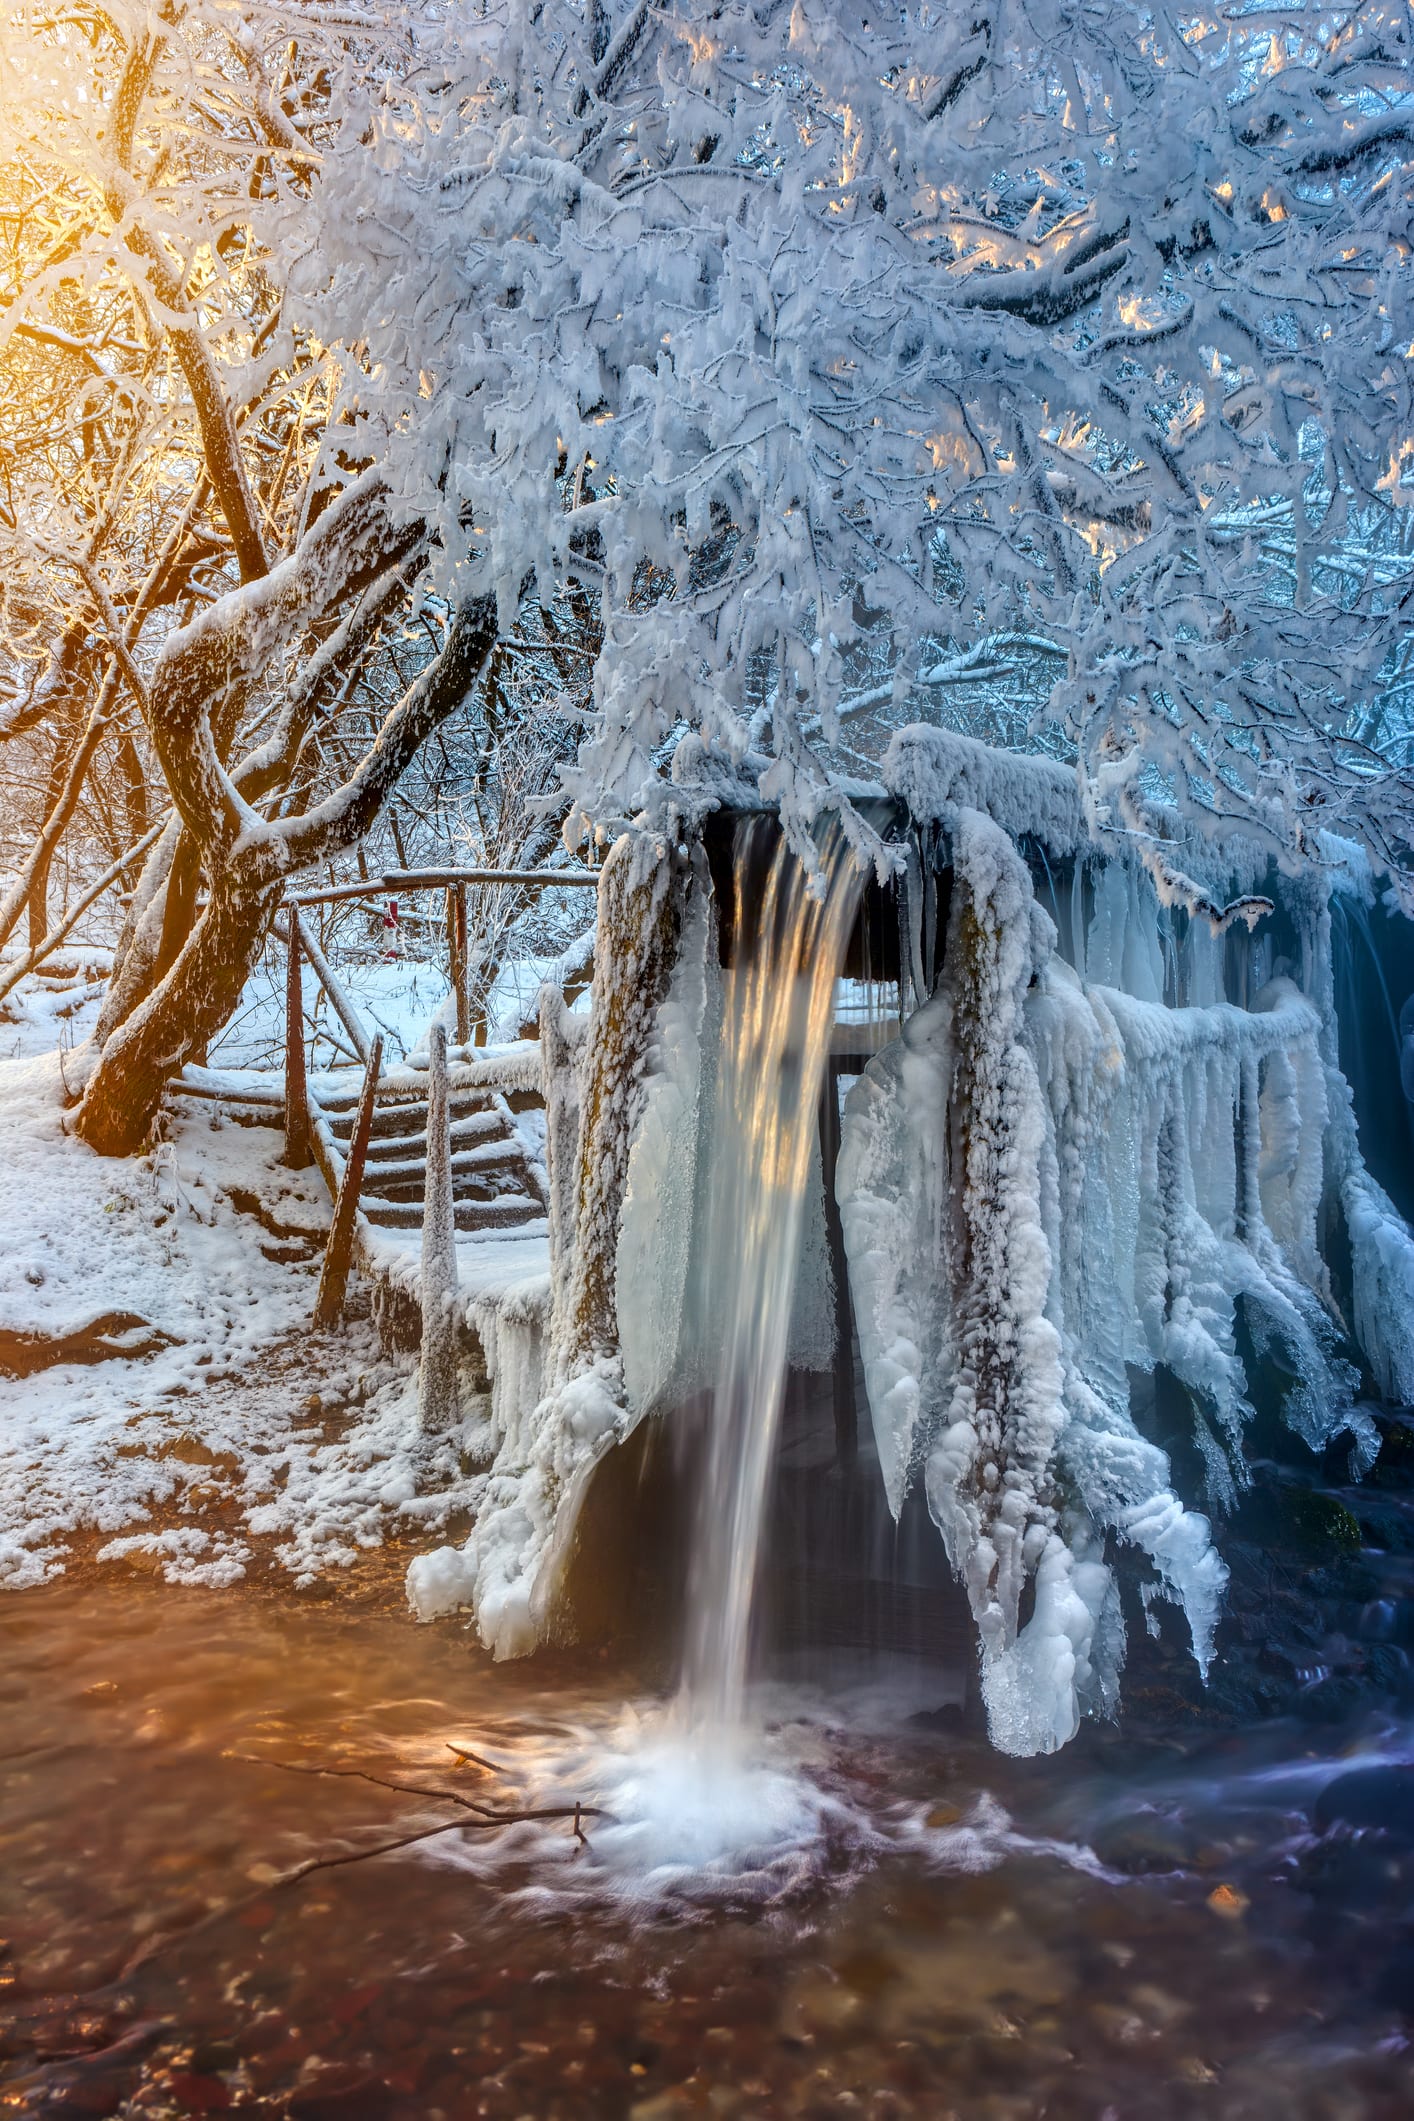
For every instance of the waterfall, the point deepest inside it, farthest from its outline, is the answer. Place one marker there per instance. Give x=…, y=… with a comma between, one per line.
x=778, y=1012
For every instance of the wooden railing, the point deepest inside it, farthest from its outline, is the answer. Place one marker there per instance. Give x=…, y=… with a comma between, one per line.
x=302, y=944
x=395, y=881
x=309, y=1137
x=403, y=883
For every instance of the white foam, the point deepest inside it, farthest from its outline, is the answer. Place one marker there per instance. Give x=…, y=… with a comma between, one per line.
x=682, y=1816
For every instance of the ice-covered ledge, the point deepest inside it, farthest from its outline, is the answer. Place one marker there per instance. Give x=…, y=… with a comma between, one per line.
x=933, y=772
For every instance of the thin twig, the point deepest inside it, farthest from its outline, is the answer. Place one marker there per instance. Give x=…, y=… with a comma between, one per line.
x=475, y=1758
x=484, y=1812
x=483, y=1816
x=384, y=1848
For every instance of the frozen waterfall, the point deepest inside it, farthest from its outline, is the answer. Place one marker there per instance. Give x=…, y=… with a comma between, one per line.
x=1099, y=1133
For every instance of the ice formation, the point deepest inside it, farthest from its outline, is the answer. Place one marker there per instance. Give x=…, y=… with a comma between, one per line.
x=547, y=1445
x=1081, y=1160
x=1049, y=1182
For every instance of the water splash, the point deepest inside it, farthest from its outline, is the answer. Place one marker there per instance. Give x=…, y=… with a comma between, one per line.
x=778, y=1011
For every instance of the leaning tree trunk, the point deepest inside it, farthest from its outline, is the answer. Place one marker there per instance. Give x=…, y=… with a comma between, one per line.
x=186, y=1009
x=39, y=877
x=151, y=1038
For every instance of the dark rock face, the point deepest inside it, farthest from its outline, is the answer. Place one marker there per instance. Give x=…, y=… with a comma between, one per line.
x=1319, y=1619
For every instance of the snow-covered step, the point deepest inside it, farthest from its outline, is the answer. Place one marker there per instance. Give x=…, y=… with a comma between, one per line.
x=469, y=1182
x=483, y=1162
x=410, y=1118
x=397, y=1148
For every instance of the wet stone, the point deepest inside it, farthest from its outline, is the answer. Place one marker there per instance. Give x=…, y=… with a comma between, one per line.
x=199, y=2093
x=1380, y=1798
x=1329, y=1700
x=1143, y=1846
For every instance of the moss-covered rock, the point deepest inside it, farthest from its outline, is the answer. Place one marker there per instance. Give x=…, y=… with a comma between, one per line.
x=1298, y=1521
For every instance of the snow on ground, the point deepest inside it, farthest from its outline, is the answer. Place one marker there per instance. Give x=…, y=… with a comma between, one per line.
x=41, y=1014
x=211, y=1447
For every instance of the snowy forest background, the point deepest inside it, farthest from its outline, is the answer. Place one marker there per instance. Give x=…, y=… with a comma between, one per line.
x=417, y=423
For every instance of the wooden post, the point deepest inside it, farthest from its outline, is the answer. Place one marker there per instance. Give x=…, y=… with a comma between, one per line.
x=343, y=1008
x=297, y=1150
x=338, y=1253
x=437, y=1382
x=463, y=997
x=456, y=958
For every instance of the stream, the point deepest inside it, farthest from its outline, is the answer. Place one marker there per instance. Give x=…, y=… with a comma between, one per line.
x=906, y=1924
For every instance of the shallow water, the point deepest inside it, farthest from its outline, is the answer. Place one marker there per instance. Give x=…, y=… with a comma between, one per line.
x=907, y=1926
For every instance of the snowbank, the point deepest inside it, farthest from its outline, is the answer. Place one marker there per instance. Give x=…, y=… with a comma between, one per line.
x=934, y=772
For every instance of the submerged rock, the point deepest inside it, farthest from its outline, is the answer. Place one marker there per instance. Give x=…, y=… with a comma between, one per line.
x=1373, y=1798
x=1143, y=1845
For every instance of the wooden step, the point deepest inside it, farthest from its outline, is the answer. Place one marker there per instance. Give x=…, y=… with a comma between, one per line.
x=482, y=1160
x=477, y=1127
x=510, y=1182
x=500, y=1214
x=410, y=1118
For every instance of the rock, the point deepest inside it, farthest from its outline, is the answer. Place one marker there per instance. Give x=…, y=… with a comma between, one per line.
x=1142, y=1845
x=199, y=2093
x=213, y=2056
x=1394, y=1468
x=1299, y=1520
x=1330, y=1700
x=1389, y=1669
x=1377, y=1799
x=1394, y=1984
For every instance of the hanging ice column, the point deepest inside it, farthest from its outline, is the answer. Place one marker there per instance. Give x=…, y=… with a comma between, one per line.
x=1042, y=1182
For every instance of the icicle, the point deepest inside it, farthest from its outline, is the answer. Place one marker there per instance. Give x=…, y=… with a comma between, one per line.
x=891, y=1184
x=1381, y=1244
x=656, y=1227
x=437, y=1378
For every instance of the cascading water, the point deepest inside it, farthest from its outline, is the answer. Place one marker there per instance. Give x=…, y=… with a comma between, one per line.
x=778, y=1010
